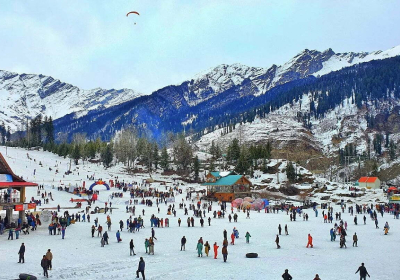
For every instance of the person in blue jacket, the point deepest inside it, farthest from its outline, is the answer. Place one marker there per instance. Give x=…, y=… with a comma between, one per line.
x=118, y=235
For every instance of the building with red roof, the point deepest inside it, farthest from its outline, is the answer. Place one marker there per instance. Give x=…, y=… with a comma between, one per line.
x=12, y=192
x=369, y=182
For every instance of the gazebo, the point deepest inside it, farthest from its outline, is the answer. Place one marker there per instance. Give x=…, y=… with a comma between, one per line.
x=12, y=191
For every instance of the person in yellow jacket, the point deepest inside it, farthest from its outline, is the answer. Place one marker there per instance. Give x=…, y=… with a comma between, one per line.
x=207, y=248
x=49, y=257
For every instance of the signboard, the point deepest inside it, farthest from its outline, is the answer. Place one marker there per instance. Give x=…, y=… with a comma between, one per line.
x=395, y=197
x=19, y=207
x=6, y=178
x=31, y=205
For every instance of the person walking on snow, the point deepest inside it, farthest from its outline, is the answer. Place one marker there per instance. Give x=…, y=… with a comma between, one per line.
x=153, y=234
x=131, y=246
x=286, y=230
x=183, y=243
x=199, y=249
x=279, y=229
x=49, y=257
x=363, y=272
x=277, y=242
x=355, y=239
x=286, y=275
x=118, y=235
x=233, y=238
x=247, y=237
x=141, y=267
x=21, y=253
x=146, y=244
x=45, y=265
x=206, y=248
x=225, y=252
x=215, y=250
x=310, y=239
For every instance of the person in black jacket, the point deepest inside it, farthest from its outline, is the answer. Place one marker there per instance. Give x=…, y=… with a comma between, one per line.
x=363, y=272
x=286, y=275
x=140, y=268
x=183, y=243
x=44, y=263
x=21, y=253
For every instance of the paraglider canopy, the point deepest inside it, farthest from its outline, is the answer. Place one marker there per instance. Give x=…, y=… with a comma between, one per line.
x=133, y=12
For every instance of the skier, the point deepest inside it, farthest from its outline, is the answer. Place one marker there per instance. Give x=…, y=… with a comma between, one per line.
x=286, y=230
x=102, y=242
x=365, y=220
x=183, y=243
x=209, y=221
x=153, y=234
x=141, y=267
x=233, y=238
x=376, y=223
x=45, y=265
x=131, y=246
x=225, y=234
x=310, y=239
x=277, y=242
x=363, y=272
x=247, y=237
x=316, y=277
x=279, y=229
x=215, y=250
x=355, y=219
x=286, y=275
x=355, y=239
x=207, y=248
x=179, y=222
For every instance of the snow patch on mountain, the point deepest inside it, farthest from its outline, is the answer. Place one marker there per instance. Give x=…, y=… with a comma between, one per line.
x=28, y=95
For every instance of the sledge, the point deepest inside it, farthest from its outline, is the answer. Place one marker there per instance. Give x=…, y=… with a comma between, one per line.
x=24, y=276
x=252, y=255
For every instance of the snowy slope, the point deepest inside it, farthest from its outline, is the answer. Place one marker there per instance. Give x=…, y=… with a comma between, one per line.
x=79, y=256
x=28, y=95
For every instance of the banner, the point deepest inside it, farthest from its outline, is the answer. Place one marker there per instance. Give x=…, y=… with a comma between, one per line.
x=19, y=207
x=31, y=205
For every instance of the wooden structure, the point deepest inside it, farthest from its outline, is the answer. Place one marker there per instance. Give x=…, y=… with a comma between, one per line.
x=369, y=183
x=12, y=191
x=226, y=186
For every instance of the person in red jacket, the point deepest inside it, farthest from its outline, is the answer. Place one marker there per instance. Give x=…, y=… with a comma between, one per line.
x=233, y=238
x=215, y=250
x=310, y=241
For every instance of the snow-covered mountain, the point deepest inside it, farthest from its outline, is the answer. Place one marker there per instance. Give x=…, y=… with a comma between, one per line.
x=210, y=83
x=28, y=95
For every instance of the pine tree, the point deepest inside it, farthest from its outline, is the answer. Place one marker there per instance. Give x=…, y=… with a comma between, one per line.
x=107, y=155
x=164, y=161
x=290, y=172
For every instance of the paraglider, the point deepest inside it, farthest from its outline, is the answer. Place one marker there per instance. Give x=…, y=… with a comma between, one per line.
x=133, y=12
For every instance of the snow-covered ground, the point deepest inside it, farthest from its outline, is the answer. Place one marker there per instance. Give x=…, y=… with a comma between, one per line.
x=79, y=256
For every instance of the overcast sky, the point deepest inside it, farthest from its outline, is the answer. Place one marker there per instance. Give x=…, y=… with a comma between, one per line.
x=93, y=44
